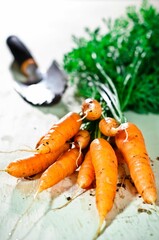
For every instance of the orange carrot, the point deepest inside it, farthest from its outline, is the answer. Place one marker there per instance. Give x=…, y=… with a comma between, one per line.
x=119, y=155
x=60, y=132
x=91, y=109
x=86, y=173
x=132, y=145
x=105, y=165
x=34, y=164
x=39, y=142
x=82, y=139
x=62, y=168
x=108, y=126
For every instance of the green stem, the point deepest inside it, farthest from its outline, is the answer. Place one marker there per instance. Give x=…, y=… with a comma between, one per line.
x=114, y=100
x=111, y=100
x=131, y=81
x=97, y=133
x=109, y=80
x=110, y=95
x=110, y=106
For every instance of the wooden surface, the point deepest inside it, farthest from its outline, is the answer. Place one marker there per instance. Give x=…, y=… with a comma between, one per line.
x=46, y=28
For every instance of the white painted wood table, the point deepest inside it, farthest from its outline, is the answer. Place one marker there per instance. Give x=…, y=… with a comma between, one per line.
x=46, y=27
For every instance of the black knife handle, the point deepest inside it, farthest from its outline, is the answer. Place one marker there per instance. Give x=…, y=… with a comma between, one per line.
x=21, y=53
x=18, y=49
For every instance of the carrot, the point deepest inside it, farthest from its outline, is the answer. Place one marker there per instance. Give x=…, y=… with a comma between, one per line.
x=108, y=126
x=86, y=173
x=82, y=139
x=85, y=178
x=132, y=146
x=39, y=142
x=91, y=109
x=119, y=155
x=34, y=164
x=105, y=165
x=62, y=168
x=59, y=133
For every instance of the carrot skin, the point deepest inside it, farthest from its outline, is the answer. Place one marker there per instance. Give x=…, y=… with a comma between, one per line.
x=92, y=109
x=132, y=146
x=86, y=173
x=119, y=156
x=105, y=165
x=108, y=126
x=62, y=168
x=35, y=164
x=59, y=133
x=82, y=139
x=39, y=142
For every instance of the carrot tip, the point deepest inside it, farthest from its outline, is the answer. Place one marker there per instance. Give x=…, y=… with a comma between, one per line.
x=100, y=230
x=37, y=192
x=81, y=184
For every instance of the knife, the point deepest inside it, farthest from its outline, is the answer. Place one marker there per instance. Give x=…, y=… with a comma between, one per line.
x=38, y=88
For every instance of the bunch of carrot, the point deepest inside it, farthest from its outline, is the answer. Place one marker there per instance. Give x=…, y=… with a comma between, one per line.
x=69, y=146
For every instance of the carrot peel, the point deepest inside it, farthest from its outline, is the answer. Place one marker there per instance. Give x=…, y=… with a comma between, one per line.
x=105, y=166
x=62, y=168
x=132, y=146
x=35, y=164
x=59, y=133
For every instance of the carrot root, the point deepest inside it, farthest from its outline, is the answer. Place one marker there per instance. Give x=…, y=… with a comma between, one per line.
x=130, y=142
x=77, y=194
x=60, y=133
x=91, y=109
x=101, y=228
x=86, y=173
x=105, y=165
x=20, y=219
x=35, y=164
x=62, y=168
x=20, y=150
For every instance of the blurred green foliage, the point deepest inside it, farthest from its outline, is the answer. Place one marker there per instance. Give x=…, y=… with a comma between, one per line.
x=128, y=52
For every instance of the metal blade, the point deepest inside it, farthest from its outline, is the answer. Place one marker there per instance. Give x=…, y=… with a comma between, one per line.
x=56, y=79
x=48, y=91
